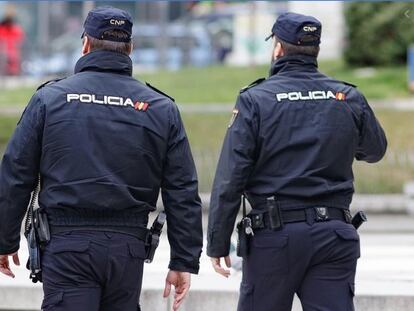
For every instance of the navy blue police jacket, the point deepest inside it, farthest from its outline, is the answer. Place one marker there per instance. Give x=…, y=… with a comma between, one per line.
x=104, y=145
x=293, y=136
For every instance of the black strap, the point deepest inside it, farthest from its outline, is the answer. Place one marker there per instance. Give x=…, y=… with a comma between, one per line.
x=300, y=215
x=29, y=216
x=244, y=205
x=139, y=232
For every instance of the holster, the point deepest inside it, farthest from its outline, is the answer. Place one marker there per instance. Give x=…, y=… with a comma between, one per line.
x=358, y=219
x=153, y=238
x=41, y=226
x=275, y=215
x=151, y=246
x=243, y=240
x=38, y=235
x=34, y=261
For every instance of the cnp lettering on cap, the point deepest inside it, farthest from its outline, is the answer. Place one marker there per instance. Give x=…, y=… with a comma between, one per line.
x=297, y=29
x=102, y=19
x=310, y=28
x=116, y=22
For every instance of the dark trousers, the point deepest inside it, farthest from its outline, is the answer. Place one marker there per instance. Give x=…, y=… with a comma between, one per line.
x=92, y=271
x=315, y=260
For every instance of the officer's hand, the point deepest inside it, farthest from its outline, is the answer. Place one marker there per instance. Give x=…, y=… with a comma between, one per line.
x=4, y=264
x=218, y=268
x=181, y=282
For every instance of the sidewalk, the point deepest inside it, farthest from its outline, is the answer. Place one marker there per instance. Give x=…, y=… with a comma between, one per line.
x=385, y=277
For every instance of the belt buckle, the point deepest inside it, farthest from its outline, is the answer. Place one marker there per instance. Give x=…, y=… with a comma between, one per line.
x=321, y=213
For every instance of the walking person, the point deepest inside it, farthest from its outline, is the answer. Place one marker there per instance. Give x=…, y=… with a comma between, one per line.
x=104, y=146
x=289, y=150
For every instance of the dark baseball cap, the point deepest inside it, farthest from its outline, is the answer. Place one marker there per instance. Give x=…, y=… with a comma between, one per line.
x=106, y=18
x=297, y=29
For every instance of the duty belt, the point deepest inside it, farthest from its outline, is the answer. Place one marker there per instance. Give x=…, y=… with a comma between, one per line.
x=139, y=232
x=318, y=214
x=151, y=237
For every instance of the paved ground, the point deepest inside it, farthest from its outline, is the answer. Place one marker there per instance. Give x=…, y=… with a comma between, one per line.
x=385, y=268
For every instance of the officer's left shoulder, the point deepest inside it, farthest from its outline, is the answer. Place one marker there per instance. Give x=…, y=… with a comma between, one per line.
x=159, y=91
x=347, y=83
x=50, y=82
x=253, y=84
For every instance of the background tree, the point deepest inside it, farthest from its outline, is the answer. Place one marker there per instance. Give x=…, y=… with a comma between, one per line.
x=379, y=33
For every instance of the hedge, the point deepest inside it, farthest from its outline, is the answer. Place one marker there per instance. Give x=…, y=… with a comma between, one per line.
x=378, y=33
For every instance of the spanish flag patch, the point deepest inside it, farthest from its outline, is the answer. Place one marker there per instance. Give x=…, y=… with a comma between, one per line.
x=340, y=96
x=141, y=106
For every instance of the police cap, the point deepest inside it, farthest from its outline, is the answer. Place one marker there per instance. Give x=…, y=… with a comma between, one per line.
x=106, y=18
x=297, y=29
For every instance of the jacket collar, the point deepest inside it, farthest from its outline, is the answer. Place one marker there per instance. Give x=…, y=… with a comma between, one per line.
x=105, y=61
x=294, y=63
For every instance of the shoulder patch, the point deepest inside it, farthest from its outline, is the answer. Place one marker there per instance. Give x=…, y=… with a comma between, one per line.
x=233, y=117
x=158, y=91
x=49, y=82
x=347, y=83
x=254, y=83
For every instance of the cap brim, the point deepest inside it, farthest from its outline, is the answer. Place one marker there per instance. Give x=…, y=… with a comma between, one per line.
x=269, y=36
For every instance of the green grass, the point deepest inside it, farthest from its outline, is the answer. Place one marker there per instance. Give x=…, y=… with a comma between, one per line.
x=207, y=85
x=15, y=97
x=7, y=125
x=220, y=84
x=206, y=133
x=381, y=83
x=397, y=167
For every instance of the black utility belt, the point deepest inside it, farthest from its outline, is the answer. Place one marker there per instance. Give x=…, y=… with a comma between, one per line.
x=151, y=237
x=275, y=219
x=138, y=232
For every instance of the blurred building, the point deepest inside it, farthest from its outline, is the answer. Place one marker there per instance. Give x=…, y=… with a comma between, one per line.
x=331, y=14
x=249, y=22
x=169, y=34
x=47, y=20
x=53, y=28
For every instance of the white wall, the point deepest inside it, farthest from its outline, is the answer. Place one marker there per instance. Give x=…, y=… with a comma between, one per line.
x=262, y=14
x=252, y=23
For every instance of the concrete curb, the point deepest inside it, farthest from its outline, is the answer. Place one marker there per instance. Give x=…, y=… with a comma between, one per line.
x=384, y=303
x=198, y=300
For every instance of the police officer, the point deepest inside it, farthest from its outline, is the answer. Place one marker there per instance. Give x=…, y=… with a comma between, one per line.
x=289, y=149
x=104, y=144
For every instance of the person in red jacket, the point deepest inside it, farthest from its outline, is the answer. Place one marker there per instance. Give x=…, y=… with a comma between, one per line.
x=11, y=40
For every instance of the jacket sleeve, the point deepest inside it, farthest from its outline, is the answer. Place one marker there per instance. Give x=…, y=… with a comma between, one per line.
x=372, y=141
x=18, y=174
x=236, y=162
x=179, y=190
